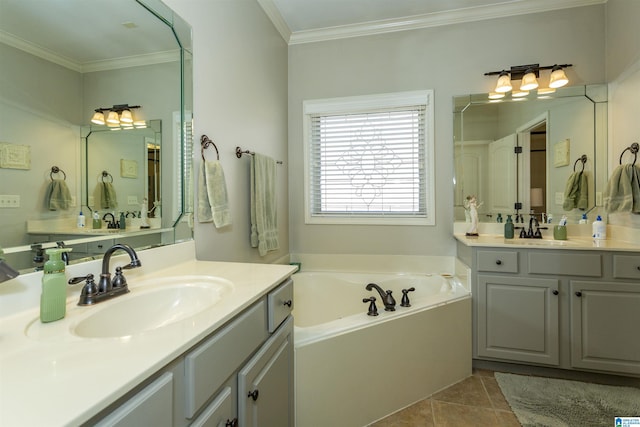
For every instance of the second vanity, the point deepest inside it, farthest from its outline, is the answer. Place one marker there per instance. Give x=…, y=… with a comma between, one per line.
x=228, y=361
x=564, y=304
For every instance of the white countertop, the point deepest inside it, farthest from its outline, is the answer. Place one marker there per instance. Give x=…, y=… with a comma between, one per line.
x=61, y=379
x=572, y=243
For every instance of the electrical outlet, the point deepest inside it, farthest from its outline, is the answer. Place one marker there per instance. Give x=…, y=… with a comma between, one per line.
x=9, y=201
x=598, y=198
x=559, y=198
x=132, y=200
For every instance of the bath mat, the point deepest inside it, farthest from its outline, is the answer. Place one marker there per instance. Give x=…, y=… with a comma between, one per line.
x=541, y=402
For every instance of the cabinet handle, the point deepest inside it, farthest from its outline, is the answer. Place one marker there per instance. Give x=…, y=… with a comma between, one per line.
x=288, y=303
x=555, y=292
x=253, y=394
x=231, y=423
x=578, y=294
x=498, y=262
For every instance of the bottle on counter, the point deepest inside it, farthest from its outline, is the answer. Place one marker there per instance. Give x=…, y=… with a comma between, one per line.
x=97, y=222
x=508, y=228
x=53, y=300
x=599, y=229
x=80, y=220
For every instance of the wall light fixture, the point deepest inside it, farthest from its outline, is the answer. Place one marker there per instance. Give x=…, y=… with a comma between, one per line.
x=117, y=115
x=529, y=74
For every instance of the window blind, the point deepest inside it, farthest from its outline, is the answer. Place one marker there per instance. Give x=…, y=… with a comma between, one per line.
x=368, y=163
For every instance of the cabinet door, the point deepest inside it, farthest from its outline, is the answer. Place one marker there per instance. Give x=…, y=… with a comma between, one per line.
x=220, y=412
x=604, y=326
x=518, y=319
x=265, y=384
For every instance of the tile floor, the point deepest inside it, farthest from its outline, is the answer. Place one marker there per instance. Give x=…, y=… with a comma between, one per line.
x=476, y=401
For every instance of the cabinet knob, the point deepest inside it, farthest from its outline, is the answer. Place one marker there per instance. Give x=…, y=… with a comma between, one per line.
x=231, y=423
x=253, y=394
x=639, y=268
x=288, y=303
x=578, y=294
x=498, y=262
x=555, y=292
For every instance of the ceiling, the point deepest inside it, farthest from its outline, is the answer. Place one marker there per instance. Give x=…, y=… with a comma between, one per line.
x=304, y=21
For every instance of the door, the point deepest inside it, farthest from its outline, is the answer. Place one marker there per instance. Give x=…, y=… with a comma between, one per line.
x=502, y=175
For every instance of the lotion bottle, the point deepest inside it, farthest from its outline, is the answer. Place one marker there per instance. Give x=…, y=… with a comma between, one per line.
x=599, y=229
x=81, y=220
x=53, y=300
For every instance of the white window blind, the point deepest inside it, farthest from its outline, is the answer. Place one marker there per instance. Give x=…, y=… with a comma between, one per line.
x=368, y=163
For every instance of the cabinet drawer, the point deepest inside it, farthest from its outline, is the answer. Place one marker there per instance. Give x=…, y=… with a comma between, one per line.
x=572, y=264
x=221, y=410
x=212, y=363
x=498, y=261
x=150, y=407
x=280, y=304
x=626, y=266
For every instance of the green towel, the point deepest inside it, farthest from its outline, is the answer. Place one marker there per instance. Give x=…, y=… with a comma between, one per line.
x=576, y=193
x=213, y=204
x=623, y=190
x=264, y=218
x=57, y=195
x=108, y=199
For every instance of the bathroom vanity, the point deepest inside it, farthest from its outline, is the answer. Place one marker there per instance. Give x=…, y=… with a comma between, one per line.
x=222, y=354
x=564, y=304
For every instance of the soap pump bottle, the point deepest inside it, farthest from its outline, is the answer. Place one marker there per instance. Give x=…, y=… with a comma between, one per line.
x=508, y=228
x=53, y=300
x=583, y=220
x=80, y=220
x=97, y=222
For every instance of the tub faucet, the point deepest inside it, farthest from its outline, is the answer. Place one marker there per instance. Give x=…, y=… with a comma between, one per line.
x=387, y=299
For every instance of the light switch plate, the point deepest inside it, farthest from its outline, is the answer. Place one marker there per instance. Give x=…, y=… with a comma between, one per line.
x=9, y=201
x=132, y=200
x=559, y=198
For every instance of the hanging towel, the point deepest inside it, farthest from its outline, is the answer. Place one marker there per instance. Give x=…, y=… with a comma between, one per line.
x=213, y=204
x=623, y=190
x=108, y=199
x=576, y=193
x=264, y=219
x=57, y=195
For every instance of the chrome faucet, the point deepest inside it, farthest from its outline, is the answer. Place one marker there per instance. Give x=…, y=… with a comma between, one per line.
x=107, y=288
x=387, y=299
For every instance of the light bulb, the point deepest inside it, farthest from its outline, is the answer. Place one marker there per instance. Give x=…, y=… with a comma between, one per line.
x=529, y=81
x=98, y=118
x=558, y=77
x=126, y=117
x=112, y=118
x=504, y=83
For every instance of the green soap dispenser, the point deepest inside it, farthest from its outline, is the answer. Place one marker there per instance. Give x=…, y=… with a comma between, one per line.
x=53, y=300
x=508, y=228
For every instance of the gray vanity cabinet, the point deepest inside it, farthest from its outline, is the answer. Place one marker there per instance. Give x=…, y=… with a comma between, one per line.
x=570, y=309
x=518, y=319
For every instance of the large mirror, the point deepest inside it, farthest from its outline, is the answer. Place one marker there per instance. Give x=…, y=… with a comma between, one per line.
x=520, y=154
x=59, y=63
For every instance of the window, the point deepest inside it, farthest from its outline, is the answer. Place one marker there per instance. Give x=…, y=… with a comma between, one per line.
x=369, y=159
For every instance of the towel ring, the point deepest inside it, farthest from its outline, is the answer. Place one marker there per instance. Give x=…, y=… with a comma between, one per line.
x=205, y=142
x=582, y=159
x=106, y=174
x=55, y=169
x=633, y=149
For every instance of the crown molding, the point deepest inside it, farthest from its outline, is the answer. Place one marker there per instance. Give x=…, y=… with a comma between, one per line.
x=436, y=19
x=276, y=18
x=87, y=67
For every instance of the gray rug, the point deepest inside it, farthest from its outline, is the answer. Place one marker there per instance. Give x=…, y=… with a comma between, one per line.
x=539, y=402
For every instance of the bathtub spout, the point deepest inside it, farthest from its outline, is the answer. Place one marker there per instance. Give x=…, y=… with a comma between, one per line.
x=387, y=299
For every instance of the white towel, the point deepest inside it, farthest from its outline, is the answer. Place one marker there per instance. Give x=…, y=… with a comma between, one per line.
x=264, y=216
x=213, y=204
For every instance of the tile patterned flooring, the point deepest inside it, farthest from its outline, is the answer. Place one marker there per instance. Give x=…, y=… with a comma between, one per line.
x=475, y=401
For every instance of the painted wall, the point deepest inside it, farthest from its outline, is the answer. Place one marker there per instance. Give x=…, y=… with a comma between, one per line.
x=451, y=60
x=623, y=75
x=240, y=99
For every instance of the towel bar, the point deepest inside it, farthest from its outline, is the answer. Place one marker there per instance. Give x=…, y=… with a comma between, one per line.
x=106, y=174
x=55, y=169
x=633, y=149
x=205, y=142
x=239, y=154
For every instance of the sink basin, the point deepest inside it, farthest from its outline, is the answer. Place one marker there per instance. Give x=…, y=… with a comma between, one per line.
x=146, y=308
x=143, y=310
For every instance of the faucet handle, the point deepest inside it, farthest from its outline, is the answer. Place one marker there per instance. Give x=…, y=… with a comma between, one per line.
x=405, y=297
x=89, y=290
x=119, y=281
x=373, y=310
